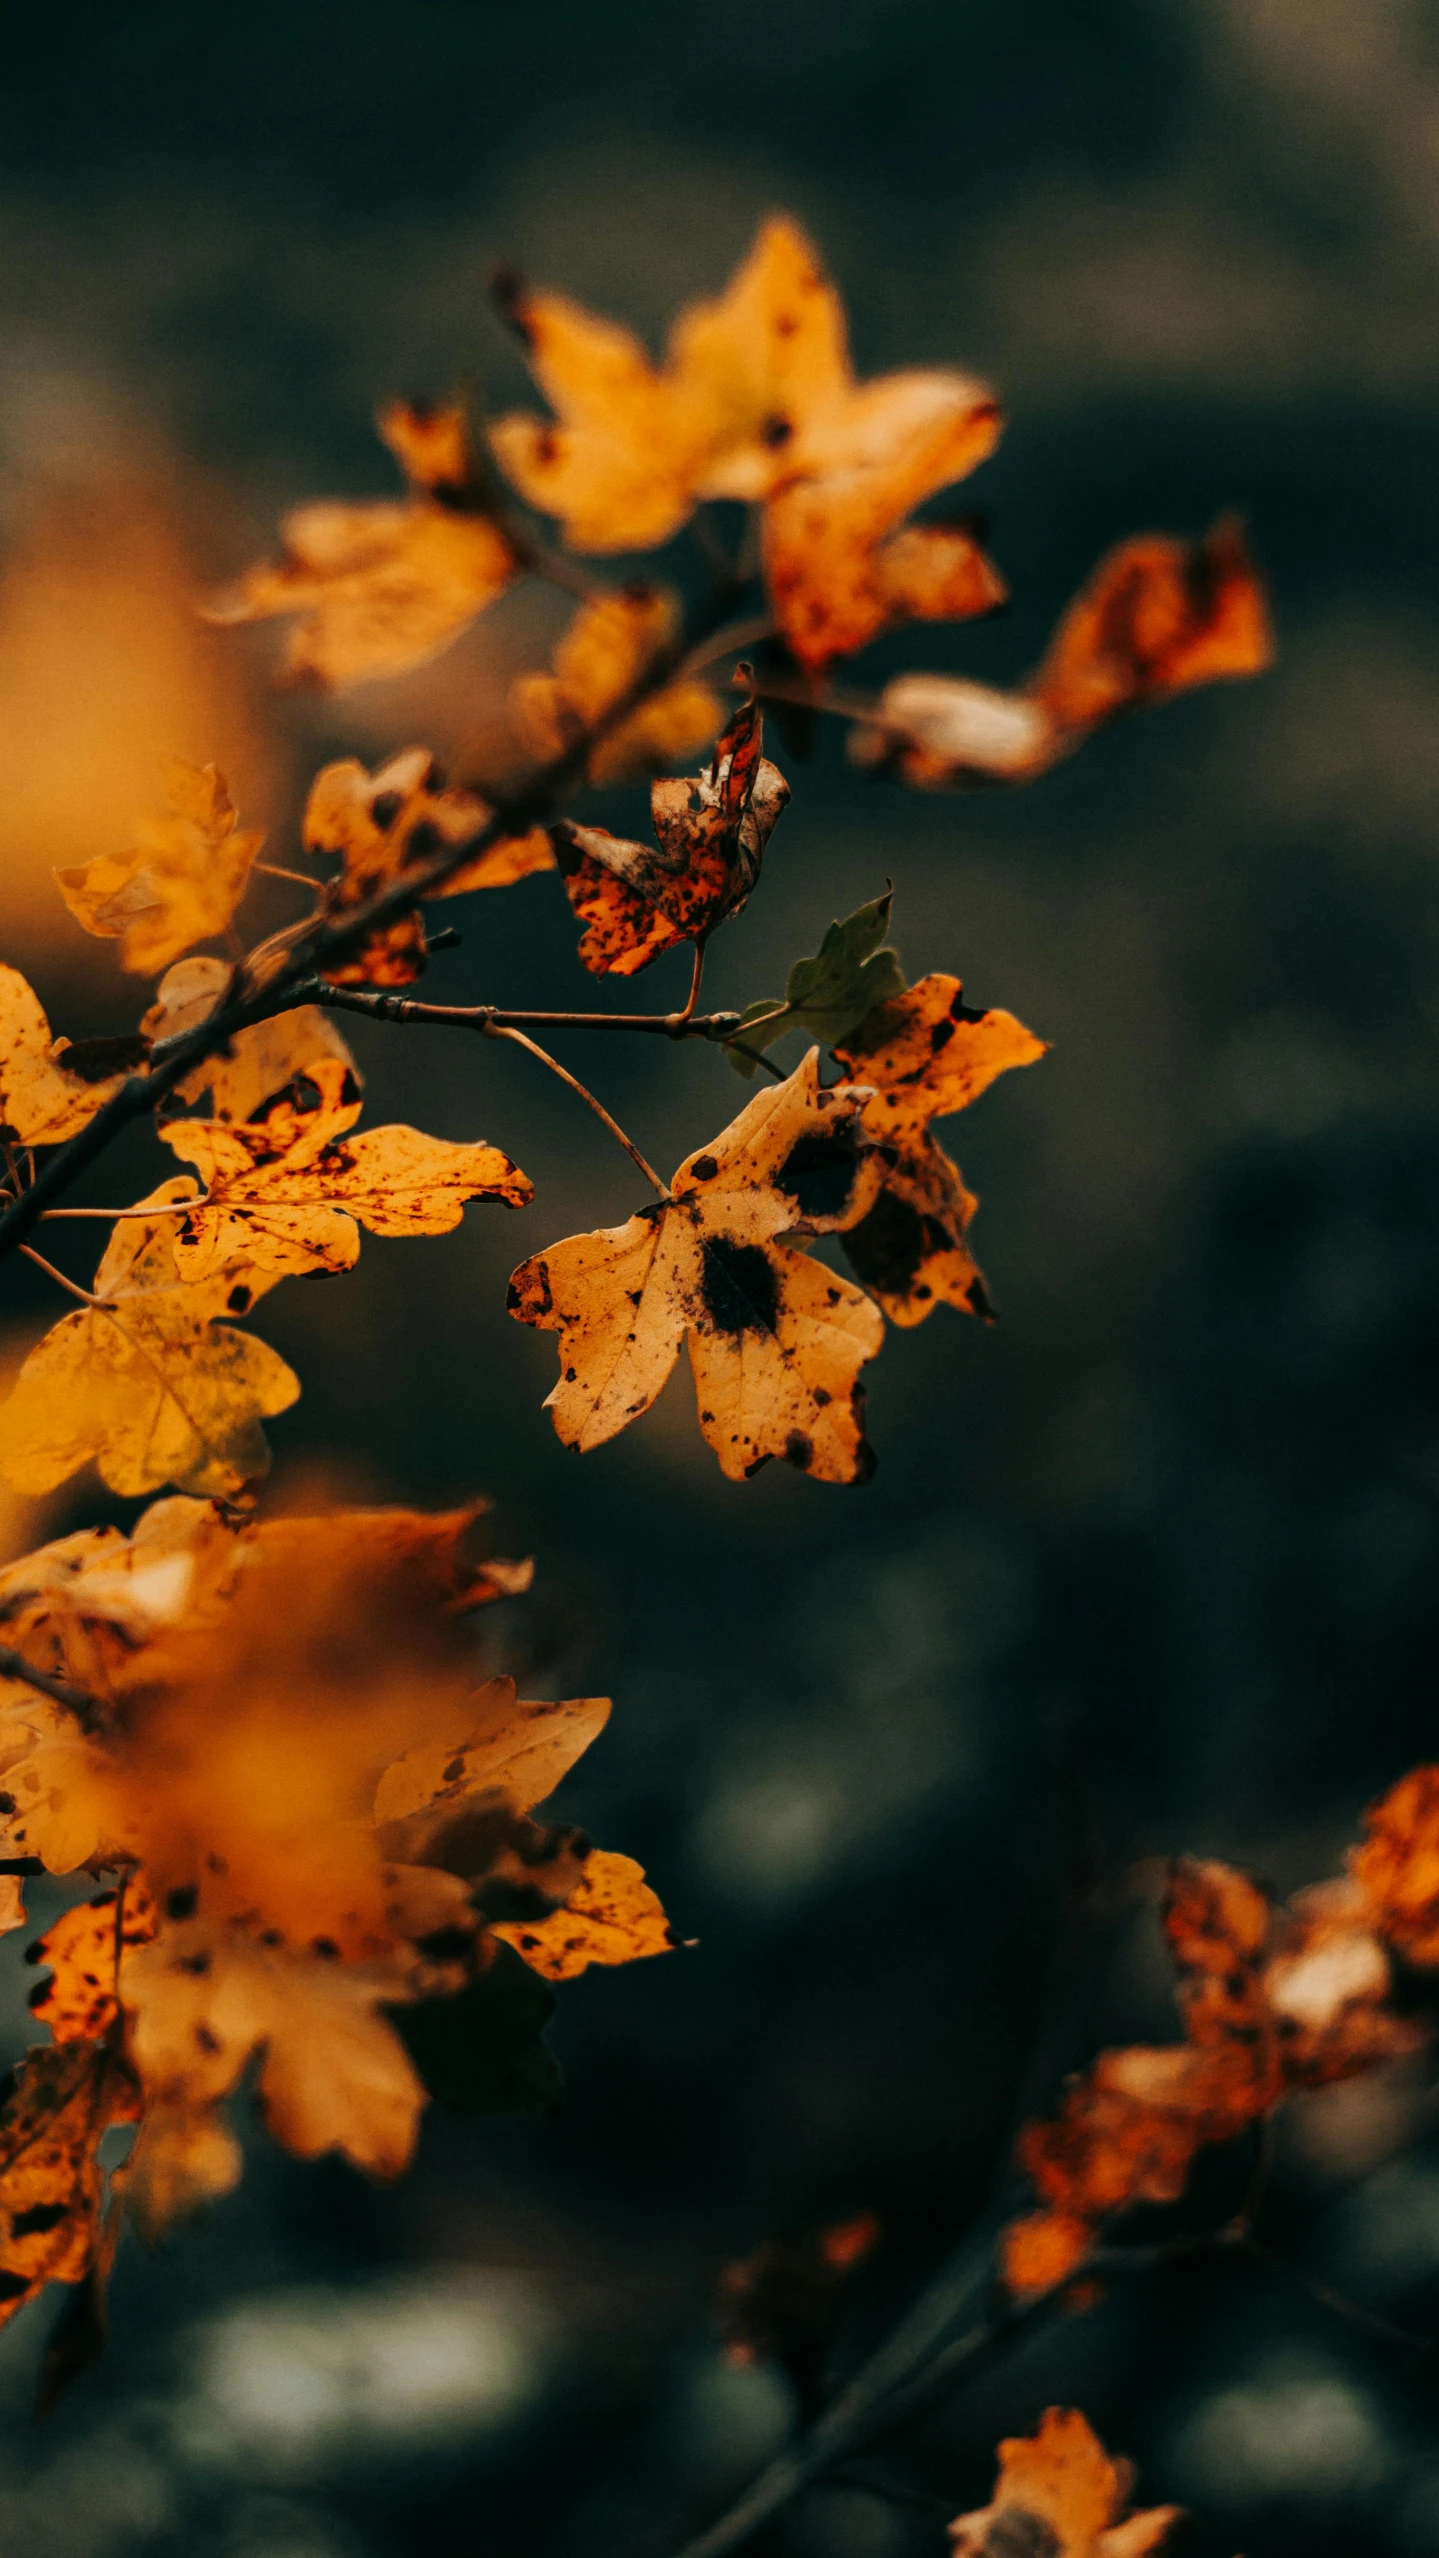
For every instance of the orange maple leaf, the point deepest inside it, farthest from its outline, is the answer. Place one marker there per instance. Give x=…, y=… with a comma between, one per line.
x=51, y=2187
x=180, y=881
x=776, y=1341
x=1156, y=617
x=611, y=645
x=376, y=589
x=1058, y=2490
x=42, y=1101
x=637, y=900
x=254, y=1064
x=926, y=1053
x=757, y=400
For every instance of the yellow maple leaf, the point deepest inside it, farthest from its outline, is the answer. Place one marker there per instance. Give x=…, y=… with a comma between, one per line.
x=1061, y=2484
x=757, y=400
x=384, y=823
x=50, y=2180
x=180, y=881
x=379, y=588
x=601, y=658
x=285, y=1191
x=926, y=1054
x=83, y=1952
x=148, y=1381
x=41, y=1101
x=637, y=900
x=254, y=1064
x=611, y=1916
x=776, y=1341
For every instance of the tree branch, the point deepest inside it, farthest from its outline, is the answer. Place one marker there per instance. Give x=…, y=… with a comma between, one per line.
x=264, y=983
x=485, y=1018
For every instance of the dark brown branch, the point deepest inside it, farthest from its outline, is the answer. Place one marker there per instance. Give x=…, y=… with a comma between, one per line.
x=308, y=949
x=490, y=1017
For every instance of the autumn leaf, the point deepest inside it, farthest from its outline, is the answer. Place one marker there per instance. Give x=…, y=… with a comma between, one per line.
x=41, y=1101
x=611, y=1916
x=50, y=2178
x=84, y=1951
x=926, y=1053
x=1157, y=616
x=1059, y=2491
x=776, y=1341
x=637, y=900
x=254, y=1064
x=1396, y=1866
x=757, y=400
x=285, y=1191
x=827, y=995
x=148, y=1382
x=602, y=659
x=385, y=823
x=783, y=2303
x=378, y=588
x=180, y=881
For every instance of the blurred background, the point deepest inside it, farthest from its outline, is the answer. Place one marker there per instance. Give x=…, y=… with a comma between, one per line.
x=1150, y=1565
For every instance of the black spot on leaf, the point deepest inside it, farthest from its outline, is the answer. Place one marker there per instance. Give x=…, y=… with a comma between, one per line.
x=741, y=1290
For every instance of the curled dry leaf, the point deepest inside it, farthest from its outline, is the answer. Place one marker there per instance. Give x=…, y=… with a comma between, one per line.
x=925, y=1053
x=150, y=1383
x=776, y=1341
x=1273, y=2001
x=379, y=588
x=757, y=400
x=1059, y=2492
x=602, y=658
x=1157, y=617
x=254, y=1064
x=51, y=2188
x=611, y=1916
x=397, y=819
x=1396, y=1866
x=42, y=1102
x=636, y=900
x=285, y=1191
x=180, y=881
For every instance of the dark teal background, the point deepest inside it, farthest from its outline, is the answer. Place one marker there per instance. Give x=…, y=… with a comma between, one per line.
x=1150, y=1566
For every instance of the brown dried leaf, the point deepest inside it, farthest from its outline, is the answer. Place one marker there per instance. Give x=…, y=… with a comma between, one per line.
x=180, y=881
x=50, y=2180
x=776, y=1341
x=149, y=1383
x=1396, y=1866
x=41, y=1101
x=284, y=1192
x=926, y=1053
x=380, y=588
x=385, y=823
x=85, y=1950
x=1059, y=2493
x=639, y=899
x=604, y=655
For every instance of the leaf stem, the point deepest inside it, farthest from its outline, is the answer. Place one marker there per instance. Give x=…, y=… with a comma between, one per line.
x=277, y=870
x=96, y=1304
x=496, y=1030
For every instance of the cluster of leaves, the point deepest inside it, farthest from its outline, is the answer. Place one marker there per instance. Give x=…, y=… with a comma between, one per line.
x=1274, y=2001
x=337, y=1873
x=319, y=1839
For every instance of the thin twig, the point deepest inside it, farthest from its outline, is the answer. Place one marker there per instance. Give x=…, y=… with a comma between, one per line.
x=83, y=1294
x=495, y=1031
x=746, y=632
x=486, y=1017
x=79, y=1701
x=277, y=870
x=164, y=1208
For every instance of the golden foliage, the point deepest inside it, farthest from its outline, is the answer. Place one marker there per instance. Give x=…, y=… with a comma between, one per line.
x=41, y=1103
x=926, y=1053
x=637, y=900
x=149, y=1381
x=378, y=588
x=180, y=881
x=776, y=1341
x=611, y=1916
x=383, y=824
x=285, y=1191
x=1058, y=2490
x=50, y=2180
x=601, y=660
x=255, y=1064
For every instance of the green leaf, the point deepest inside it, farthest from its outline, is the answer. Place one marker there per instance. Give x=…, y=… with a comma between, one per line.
x=483, y=2050
x=829, y=994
